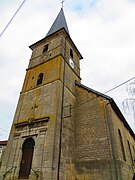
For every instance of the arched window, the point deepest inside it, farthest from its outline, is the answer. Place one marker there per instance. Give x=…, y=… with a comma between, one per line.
x=40, y=78
x=71, y=53
x=45, y=48
x=122, y=145
x=27, y=156
x=130, y=152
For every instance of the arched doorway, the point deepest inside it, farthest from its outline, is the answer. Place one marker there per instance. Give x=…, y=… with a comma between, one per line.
x=27, y=156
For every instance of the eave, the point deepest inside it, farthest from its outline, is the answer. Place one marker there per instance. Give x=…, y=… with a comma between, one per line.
x=113, y=105
x=46, y=38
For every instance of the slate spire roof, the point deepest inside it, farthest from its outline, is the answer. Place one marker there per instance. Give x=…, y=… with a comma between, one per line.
x=59, y=23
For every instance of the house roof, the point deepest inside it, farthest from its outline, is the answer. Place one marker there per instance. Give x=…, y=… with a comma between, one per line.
x=113, y=105
x=59, y=23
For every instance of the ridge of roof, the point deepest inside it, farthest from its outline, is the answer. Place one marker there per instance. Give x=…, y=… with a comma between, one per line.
x=59, y=23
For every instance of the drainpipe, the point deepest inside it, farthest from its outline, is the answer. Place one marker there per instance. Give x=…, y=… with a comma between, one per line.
x=111, y=139
x=61, y=120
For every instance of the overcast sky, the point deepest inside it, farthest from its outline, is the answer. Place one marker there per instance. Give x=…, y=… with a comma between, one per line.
x=103, y=31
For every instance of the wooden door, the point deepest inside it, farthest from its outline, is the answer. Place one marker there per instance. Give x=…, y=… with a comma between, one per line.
x=27, y=156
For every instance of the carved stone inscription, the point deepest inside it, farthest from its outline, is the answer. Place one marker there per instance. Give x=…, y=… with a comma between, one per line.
x=32, y=125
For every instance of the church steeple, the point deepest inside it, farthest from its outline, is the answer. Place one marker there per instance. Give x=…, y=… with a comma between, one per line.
x=49, y=87
x=59, y=23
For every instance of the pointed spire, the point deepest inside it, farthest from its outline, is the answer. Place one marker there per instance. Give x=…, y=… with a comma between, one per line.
x=59, y=23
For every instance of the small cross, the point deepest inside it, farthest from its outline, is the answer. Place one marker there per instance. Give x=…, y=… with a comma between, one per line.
x=34, y=108
x=62, y=2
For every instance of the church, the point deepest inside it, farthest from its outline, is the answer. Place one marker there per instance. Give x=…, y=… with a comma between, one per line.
x=63, y=130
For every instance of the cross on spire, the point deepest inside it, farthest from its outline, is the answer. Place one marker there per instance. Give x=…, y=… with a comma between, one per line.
x=62, y=2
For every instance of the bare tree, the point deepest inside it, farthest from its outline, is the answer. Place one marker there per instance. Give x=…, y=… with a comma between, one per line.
x=129, y=103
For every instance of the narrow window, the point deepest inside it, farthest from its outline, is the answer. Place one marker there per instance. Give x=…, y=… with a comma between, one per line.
x=130, y=153
x=40, y=78
x=71, y=53
x=122, y=146
x=133, y=149
x=27, y=156
x=45, y=48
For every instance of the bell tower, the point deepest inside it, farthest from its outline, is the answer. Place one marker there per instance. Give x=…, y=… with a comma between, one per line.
x=42, y=137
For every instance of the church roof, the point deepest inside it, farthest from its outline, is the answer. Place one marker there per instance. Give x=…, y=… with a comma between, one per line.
x=113, y=105
x=59, y=23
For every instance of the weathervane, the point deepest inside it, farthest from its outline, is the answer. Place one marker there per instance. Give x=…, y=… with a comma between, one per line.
x=62, y=2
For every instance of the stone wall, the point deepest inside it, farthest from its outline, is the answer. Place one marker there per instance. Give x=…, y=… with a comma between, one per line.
x=126, y=166
x=93, y=151
x=98, y=147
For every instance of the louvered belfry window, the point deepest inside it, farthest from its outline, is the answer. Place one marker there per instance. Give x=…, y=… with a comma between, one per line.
x=40, y=78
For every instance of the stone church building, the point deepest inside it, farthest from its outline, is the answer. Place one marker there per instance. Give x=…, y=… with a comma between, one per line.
x=63, y=130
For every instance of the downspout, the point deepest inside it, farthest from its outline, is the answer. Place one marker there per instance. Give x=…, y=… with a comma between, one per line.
x=61, y=120
x=111, y=139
